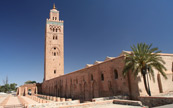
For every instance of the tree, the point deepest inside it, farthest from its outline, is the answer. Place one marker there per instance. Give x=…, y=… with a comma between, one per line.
x=8, y=87
x=13, y=86
x=5, y=88
x=30, y=82
x=143, y=58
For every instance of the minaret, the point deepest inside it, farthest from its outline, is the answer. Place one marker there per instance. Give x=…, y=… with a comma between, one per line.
x=54, y=46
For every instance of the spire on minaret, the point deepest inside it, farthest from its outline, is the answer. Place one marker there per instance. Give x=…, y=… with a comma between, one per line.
x=54, y=6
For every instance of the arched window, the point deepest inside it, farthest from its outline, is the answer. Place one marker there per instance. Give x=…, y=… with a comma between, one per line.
x=91, y=77
x=56, y=30
x=102, y=77
x=54, y=71
x=54, y=53
x=76, y=81
x=53, y=29
x=53, y=18
x=56, y=37
x=115, y=74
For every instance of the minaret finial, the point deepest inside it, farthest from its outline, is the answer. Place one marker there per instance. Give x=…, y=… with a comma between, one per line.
x=54, y=6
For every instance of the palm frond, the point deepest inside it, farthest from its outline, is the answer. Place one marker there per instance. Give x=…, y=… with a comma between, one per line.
x=143, y=55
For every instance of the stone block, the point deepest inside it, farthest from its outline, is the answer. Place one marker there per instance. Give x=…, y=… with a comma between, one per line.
x=69, y=99
x=47, y=97
x=58, y=99
x=62, y=99
x=54, y=98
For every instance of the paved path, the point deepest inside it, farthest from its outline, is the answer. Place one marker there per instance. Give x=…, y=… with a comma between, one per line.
x=2, y=99
x=13, y=102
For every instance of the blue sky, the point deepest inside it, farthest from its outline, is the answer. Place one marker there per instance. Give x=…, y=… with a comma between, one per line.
x=93, y=29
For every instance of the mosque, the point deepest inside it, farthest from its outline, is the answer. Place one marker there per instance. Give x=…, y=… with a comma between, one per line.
x=101, y=79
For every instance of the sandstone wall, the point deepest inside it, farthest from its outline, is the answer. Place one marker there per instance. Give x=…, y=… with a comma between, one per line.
x=160, y=85
x=99, y=80
x=89, y=83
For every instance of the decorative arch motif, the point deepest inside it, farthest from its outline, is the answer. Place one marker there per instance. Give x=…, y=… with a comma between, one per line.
x=55, y=51
x=55, y=28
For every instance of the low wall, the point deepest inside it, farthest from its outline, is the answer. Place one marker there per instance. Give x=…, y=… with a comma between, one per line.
x=53, y=104
x=88, y=104
x=77, y=104
x=106, y=102
x=22, y=101
x=155, y=101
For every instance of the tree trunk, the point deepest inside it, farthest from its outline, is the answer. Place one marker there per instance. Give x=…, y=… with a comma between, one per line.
x=145, y=84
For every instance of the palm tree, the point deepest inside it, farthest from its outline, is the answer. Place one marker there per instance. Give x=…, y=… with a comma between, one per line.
x=141, y=59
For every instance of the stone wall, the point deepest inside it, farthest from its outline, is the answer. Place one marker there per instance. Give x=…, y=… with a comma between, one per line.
x=100, y=80
x=104, y=79
x=160, y=84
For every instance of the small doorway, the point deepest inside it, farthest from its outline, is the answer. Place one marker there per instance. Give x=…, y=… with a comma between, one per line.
x=29, y=92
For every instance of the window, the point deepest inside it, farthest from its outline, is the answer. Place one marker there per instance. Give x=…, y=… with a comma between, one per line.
x=91, y=77
x=115, y=74
x=54, y=48
x=53, y=29
x=56, y=30
x=54, y=54
x=54, y=71
x=76, y=81
x=102, y=77
x=55, y=37
x=53, y=18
